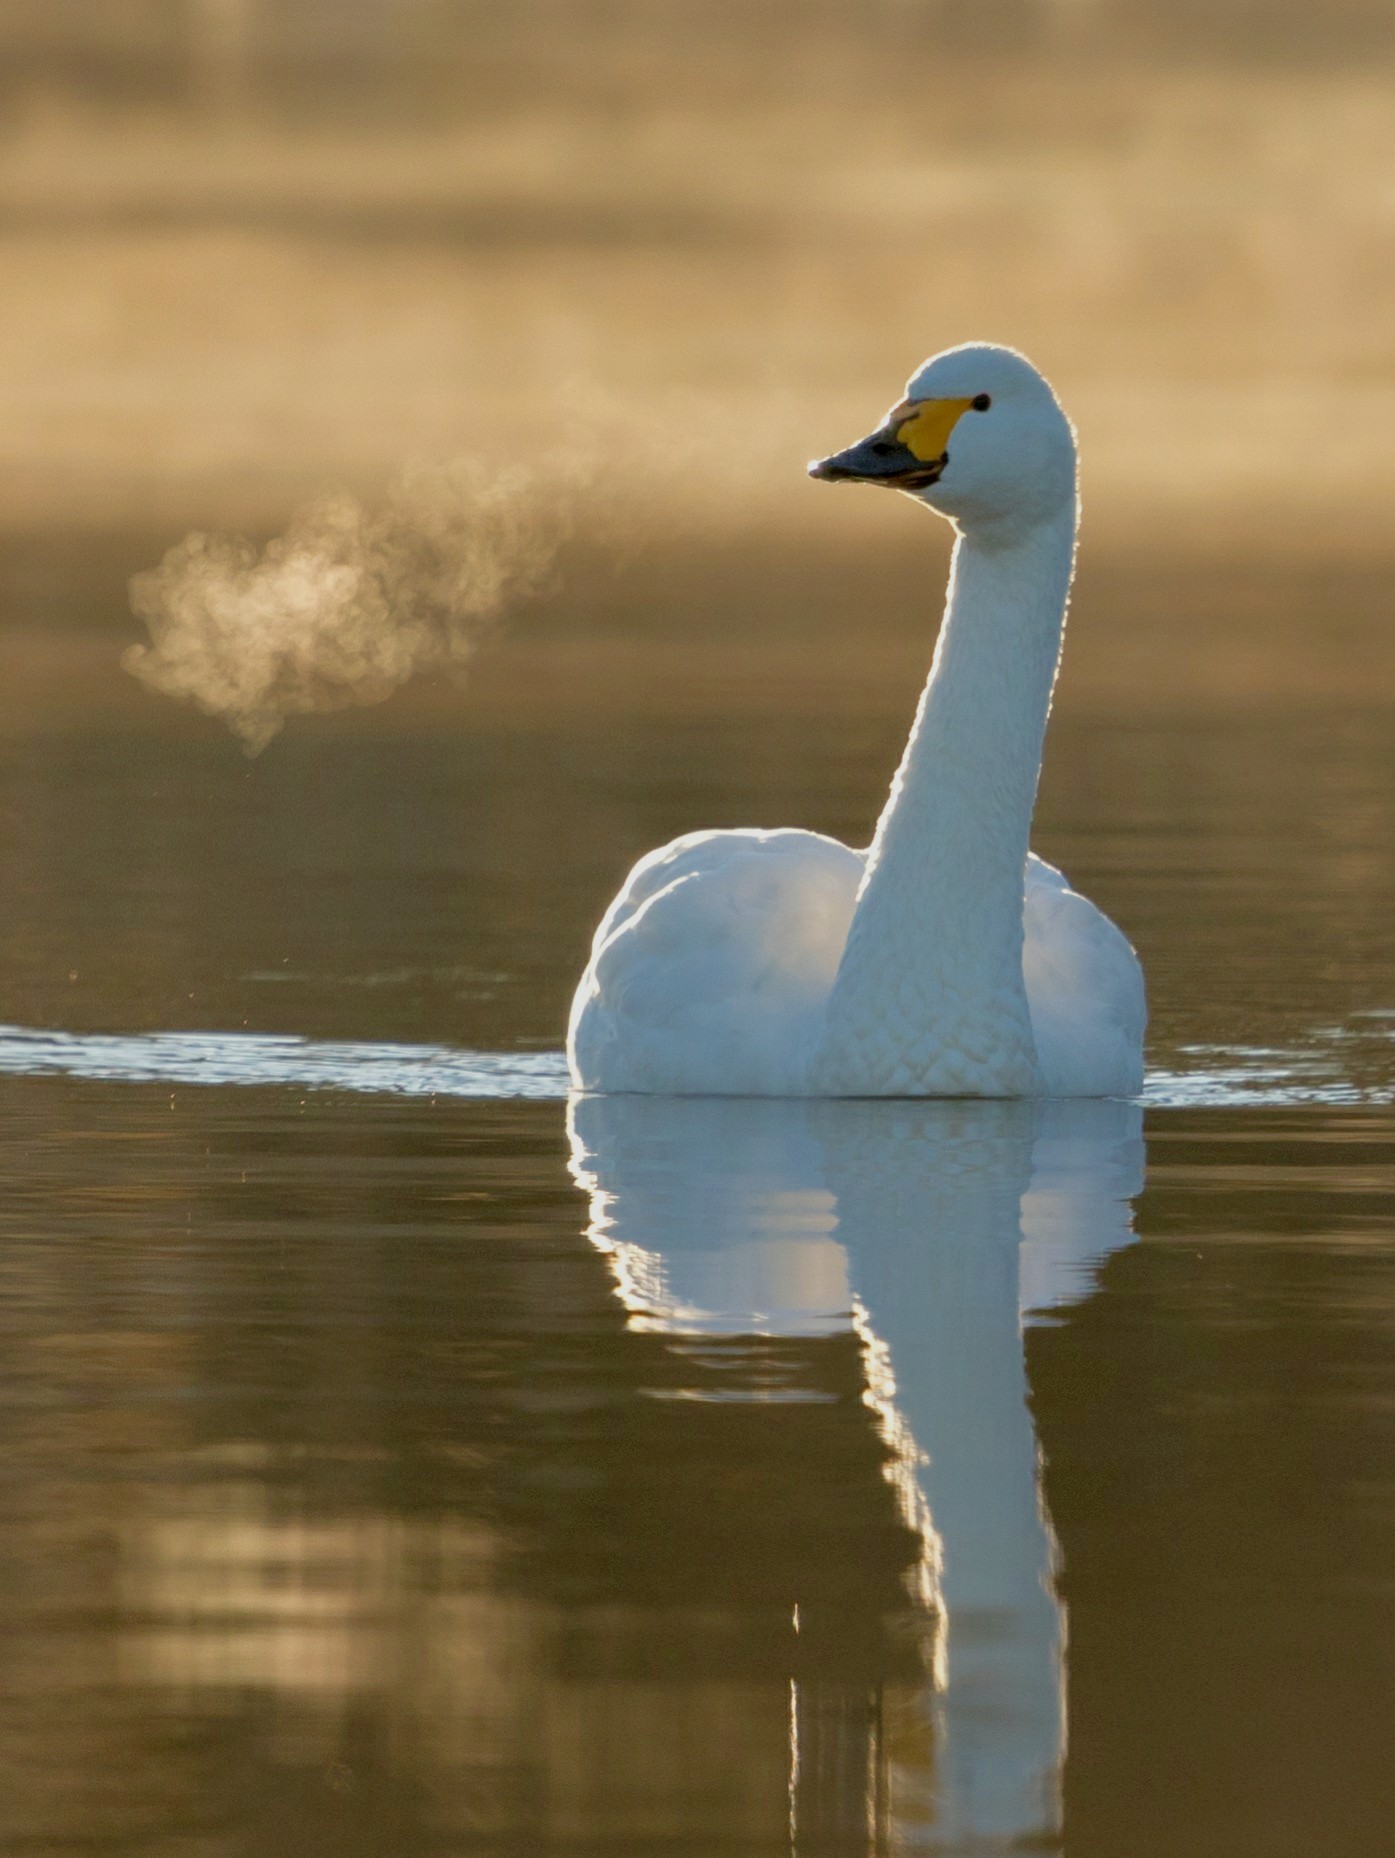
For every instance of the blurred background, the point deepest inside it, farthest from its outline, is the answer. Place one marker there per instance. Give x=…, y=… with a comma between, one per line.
x=251, y=250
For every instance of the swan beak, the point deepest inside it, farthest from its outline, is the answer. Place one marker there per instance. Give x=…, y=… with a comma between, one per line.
x=907, y=452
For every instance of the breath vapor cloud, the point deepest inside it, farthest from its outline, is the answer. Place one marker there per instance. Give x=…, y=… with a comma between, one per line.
x=350, y=602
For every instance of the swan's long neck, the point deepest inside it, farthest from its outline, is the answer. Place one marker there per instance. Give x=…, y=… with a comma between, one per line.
x=929, y=998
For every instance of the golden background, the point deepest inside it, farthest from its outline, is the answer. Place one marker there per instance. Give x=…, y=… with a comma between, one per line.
x=251, y=251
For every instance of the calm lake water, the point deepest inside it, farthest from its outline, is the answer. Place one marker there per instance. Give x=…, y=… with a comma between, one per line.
x=402, y=1461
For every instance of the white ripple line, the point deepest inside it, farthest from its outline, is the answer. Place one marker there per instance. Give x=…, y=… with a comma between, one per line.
x=251, y=1058
x=1234, y=1079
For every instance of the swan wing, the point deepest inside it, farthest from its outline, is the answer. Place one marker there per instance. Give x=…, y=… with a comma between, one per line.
x=712, y=963
x=1084, y=989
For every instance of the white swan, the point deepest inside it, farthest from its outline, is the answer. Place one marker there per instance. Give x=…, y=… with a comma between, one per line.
x=757, y=963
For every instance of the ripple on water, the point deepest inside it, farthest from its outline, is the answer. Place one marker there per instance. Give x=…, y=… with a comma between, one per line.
x=1222, y=1076
x=276, y=1058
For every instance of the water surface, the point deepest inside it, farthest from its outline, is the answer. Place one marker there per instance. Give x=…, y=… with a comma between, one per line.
x=403, y=1460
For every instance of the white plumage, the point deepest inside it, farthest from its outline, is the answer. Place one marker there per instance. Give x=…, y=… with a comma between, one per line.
x=711, y=970
x=945, y=960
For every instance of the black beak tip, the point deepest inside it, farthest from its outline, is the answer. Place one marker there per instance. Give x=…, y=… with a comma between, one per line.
x=825, y=470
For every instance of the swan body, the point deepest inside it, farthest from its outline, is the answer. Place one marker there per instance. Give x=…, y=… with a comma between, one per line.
x=945, y=960
x=711, y=973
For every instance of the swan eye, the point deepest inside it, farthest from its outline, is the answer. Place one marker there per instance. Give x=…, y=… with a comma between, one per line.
x=981, y=402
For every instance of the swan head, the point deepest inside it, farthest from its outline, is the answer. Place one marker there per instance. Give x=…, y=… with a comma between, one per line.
x=980, y=437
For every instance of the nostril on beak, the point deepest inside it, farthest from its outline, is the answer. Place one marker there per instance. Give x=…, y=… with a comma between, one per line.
x=876, y=460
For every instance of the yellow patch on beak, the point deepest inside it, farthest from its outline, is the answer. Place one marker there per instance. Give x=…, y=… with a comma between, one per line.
x=924, y=426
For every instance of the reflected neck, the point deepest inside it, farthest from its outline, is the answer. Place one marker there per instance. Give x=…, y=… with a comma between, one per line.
x=930, y=987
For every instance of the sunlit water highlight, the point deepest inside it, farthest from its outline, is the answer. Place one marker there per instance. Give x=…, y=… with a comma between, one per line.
x=1224, y=1076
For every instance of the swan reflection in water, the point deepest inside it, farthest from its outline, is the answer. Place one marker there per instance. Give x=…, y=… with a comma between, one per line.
x=936, y=1230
